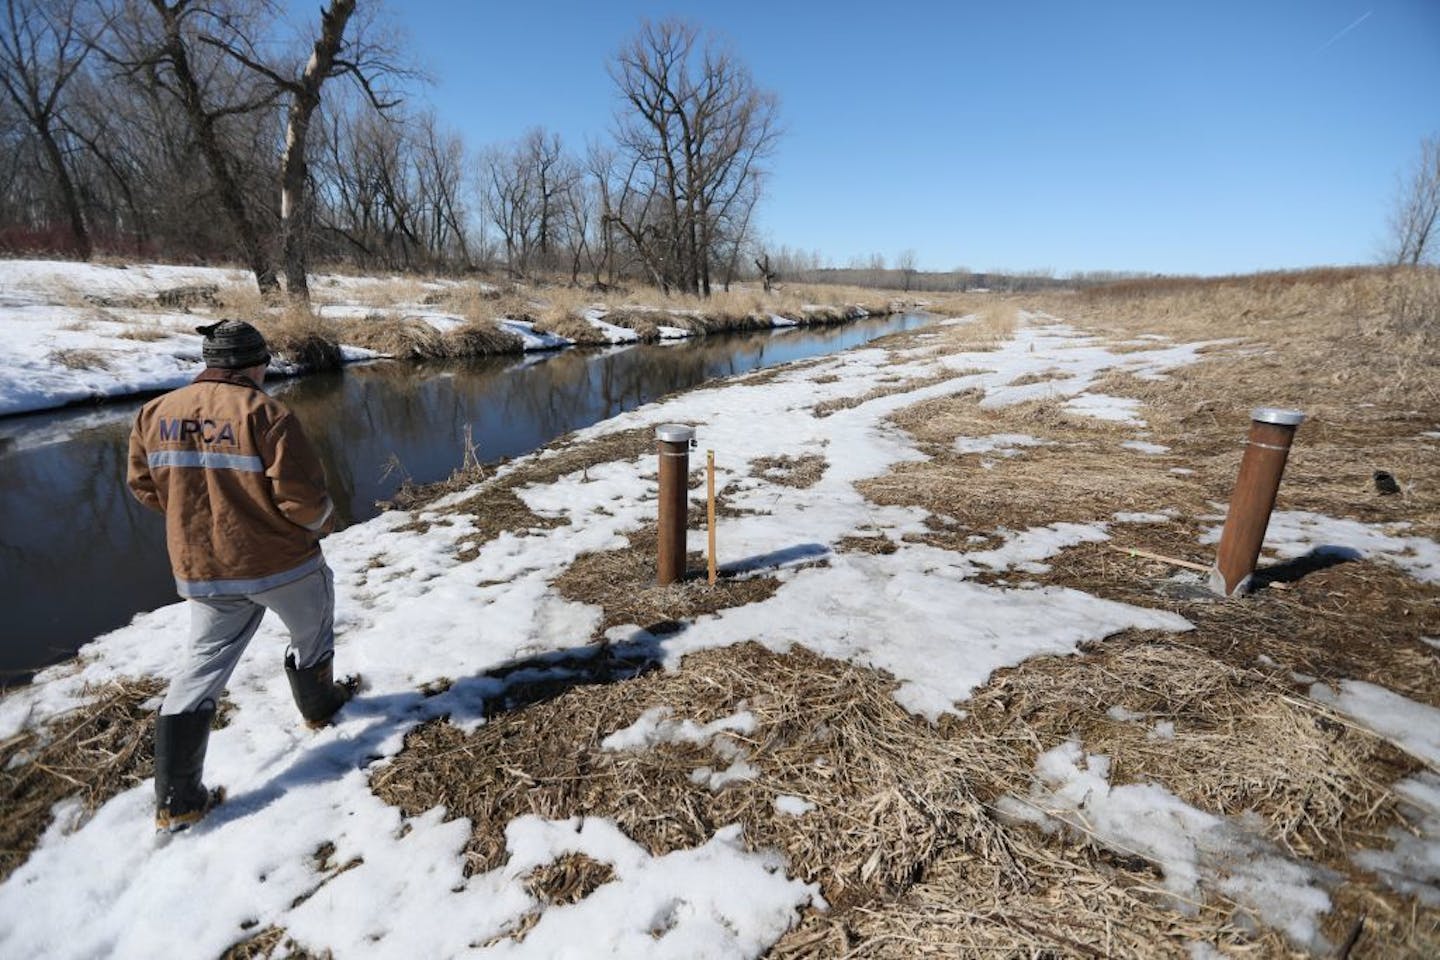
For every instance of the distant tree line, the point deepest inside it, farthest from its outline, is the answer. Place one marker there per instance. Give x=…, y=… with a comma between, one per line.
x=203, y=131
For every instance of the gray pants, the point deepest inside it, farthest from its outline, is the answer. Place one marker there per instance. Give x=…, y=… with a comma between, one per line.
x=221, y=627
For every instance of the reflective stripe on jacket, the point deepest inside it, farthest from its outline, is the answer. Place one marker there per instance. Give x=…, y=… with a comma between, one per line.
x=242, y=490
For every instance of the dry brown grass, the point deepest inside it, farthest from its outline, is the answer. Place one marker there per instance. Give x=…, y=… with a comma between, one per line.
x=903, y=839
x=622, y=583
x=297, y=334
x=93, y=752
x=77, y=359
x=798, y=472
x=145, y=332
x=271, y=943
x=302, y=336
x=889, y=794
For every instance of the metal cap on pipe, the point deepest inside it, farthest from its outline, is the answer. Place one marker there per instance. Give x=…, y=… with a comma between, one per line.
x=1283, y=418
x=674, y=433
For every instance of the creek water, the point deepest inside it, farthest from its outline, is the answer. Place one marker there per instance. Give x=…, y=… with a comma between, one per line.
x=79, y=556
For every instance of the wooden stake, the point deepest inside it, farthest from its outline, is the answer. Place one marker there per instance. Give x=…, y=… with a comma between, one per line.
x=1132, y=552
x=710, y=513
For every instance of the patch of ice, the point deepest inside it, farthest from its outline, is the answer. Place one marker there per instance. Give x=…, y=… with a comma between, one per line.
x=672, y=333
x=778, y=321
x=1145, y=447
x=1431, y=642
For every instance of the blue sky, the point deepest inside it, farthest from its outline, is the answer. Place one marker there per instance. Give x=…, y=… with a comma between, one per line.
x=1209, y=137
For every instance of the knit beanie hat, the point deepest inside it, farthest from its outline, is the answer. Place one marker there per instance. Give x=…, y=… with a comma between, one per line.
x=233, y=345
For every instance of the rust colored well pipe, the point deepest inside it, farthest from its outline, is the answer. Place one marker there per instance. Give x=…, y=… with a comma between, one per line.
x=1271, y=432
x=673, y=446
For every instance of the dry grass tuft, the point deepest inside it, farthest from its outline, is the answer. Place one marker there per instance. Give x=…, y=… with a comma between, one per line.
x=76, y=359
x=271, y=943
x=298, y=335
x=622, y=583
x=93, y=752
x=799, y=472
x=145, y=332
x=570, y=879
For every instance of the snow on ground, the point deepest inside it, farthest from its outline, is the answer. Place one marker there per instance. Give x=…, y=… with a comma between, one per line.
x=1414, y=726
x=1005, y=444
x=613, y=333
x=657, y=725
x=64, y=347
x=1196, y=850
x=1296, y=533
x=1145, y=447
x=530, y=338
x=1104, y=407
x=410, y=612
x=1412, y=864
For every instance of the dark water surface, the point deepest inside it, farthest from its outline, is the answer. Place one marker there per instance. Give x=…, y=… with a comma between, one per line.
x=78, y=555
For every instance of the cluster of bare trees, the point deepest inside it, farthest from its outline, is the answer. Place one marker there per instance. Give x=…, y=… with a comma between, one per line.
x=201, y=130
x=174, y=127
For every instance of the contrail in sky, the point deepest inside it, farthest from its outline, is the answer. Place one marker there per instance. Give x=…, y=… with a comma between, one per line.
x=1324, y=46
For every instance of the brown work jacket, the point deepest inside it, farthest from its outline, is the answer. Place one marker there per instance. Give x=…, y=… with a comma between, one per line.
x=242, y=490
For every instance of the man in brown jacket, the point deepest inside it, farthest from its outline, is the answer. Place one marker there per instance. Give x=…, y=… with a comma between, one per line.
x=245, y=506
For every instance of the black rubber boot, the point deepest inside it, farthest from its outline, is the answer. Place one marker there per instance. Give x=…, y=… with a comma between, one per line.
x=181, y=800
x=315, y=691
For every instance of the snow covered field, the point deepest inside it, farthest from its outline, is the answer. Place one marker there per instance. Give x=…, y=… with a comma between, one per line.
x=411, y=613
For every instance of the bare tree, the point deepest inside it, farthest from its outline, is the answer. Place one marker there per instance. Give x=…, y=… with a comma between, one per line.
x=906, y=264
x=330, y=56
x=211, y=98
x=509, y=197
x=692, y=137
x=41, y=48
x=1416, y=214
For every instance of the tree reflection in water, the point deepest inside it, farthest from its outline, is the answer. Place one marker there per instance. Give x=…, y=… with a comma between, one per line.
x=69, y=529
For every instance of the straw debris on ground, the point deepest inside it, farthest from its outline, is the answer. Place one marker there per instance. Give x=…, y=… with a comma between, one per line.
x=91, y=753
x=904, y=838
